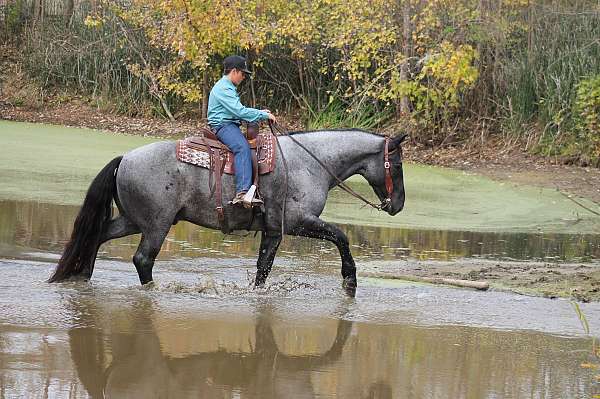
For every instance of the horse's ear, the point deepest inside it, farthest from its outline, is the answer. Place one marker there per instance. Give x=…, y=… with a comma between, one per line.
x=396, y=141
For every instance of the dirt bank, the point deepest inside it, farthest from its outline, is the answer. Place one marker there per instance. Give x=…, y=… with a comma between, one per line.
x=552, y=280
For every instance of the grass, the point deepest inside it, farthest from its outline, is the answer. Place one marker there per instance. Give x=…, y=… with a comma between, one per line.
x=336, y=115
x=541, y=78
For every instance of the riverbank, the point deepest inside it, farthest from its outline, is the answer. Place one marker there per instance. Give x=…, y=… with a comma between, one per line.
x=579, y=281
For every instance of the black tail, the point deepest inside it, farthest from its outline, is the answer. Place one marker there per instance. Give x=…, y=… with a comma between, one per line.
x=95, y=213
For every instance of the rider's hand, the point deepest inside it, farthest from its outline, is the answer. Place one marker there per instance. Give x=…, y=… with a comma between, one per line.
x=271, y=116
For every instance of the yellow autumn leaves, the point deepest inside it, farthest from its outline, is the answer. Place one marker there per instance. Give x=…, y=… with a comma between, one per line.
x=360, y=46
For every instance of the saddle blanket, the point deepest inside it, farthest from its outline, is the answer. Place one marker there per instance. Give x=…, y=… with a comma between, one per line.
x=194, y=150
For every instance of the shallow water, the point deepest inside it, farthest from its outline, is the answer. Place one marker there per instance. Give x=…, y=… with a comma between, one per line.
x=28, y=227
x=202, y=332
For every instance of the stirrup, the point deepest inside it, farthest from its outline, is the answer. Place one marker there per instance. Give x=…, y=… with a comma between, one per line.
x=238, y=199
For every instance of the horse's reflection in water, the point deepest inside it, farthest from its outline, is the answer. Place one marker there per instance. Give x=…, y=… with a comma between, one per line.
x=131, y=364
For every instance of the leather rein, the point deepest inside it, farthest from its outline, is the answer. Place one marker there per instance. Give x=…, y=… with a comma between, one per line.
x=389, y=182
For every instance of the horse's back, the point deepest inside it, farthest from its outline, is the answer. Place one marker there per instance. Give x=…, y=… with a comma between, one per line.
x=156, y=188
x=148, y=166
x=156, y=152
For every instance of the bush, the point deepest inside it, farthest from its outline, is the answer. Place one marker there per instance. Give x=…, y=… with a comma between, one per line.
x=587, y=119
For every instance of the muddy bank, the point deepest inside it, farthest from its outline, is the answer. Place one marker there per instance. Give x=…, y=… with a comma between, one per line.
x=578, y=281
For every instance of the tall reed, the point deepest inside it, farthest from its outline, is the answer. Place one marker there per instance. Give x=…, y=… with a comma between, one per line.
x=542, y=71
x=90, y=60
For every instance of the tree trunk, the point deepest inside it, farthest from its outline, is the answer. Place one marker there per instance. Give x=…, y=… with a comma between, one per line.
x=253, y=93
x=204, y=110
x=530, y=28
x=250, y=57
x=38, y=12
x=406, y=51
x=301, y=77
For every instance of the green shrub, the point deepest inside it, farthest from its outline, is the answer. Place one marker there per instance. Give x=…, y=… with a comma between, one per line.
x=587, y=118
x=12, y=19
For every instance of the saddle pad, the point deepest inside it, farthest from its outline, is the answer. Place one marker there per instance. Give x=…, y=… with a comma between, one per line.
x=190, y=151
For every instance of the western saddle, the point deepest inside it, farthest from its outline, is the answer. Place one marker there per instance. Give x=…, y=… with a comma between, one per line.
x=206, y=151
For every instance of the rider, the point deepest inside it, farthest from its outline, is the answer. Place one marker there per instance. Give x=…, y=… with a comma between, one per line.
x=225, y=113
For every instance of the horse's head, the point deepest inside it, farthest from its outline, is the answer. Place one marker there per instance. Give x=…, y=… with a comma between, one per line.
x=387, y=179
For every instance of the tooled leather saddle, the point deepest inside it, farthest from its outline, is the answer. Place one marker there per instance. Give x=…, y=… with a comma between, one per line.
x=206, y=151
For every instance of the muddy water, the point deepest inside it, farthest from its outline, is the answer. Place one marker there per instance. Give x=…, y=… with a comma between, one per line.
x=28, y=227
x=203, y=332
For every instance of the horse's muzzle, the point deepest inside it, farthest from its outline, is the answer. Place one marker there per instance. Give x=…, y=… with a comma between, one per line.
x=393, y=209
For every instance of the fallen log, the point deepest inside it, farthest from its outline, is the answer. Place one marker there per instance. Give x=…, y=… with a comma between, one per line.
x=478, y=285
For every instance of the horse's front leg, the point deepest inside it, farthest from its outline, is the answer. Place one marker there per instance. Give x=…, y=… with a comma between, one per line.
x=314, y=227
x=269, y=243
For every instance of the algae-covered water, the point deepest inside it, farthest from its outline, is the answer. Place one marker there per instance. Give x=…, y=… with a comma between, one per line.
x=56, y=164
x=203, y=331
x=447, y=199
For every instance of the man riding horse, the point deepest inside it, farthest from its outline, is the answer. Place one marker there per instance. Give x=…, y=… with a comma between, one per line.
x=225, y=113
x=154, y=190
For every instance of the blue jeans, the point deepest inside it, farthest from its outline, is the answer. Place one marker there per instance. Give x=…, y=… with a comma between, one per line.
x=231, y=135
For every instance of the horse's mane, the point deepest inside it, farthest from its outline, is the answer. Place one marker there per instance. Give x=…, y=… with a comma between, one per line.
x=352, y=129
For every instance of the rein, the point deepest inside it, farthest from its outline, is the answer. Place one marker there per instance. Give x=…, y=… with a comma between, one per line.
x=389, y=183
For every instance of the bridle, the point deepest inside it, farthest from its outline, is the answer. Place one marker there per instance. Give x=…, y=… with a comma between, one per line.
x=389, y=182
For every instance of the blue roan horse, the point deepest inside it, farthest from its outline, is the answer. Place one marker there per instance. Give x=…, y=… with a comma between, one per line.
x=153, y=190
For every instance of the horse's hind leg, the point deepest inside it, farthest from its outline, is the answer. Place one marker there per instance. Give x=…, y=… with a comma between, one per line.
x=117, y=227
x=269, y=243
x=147, y=251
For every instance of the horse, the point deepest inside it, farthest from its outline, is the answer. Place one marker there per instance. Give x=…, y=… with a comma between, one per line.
x=153, y=190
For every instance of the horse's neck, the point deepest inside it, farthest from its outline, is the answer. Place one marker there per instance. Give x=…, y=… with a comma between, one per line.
x=344, y=152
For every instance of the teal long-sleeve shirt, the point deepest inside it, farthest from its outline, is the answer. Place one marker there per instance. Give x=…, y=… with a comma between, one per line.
x=224, y=106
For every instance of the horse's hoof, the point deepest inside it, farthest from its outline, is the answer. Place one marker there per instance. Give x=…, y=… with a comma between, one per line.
x=79, y=278
x=349, y=285
x=150, y=285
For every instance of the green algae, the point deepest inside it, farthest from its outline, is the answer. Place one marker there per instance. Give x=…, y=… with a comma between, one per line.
x=56, y=164
x=447, y=199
